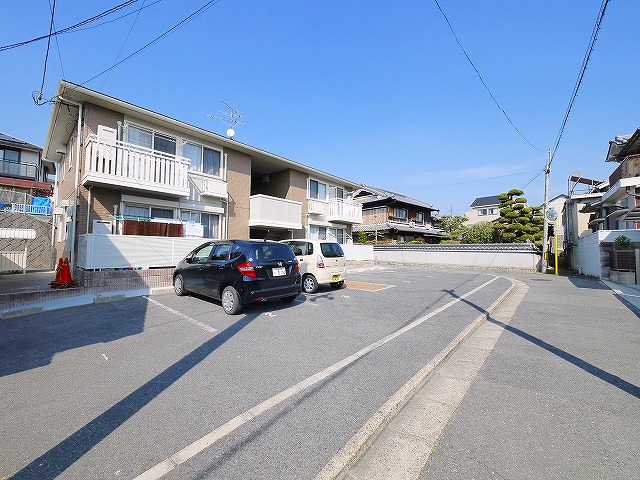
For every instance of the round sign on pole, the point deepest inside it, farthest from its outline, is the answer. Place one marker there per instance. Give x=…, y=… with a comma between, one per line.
x=552, y=214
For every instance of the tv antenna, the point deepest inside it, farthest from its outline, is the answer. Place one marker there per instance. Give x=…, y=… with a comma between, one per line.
x=231, y=117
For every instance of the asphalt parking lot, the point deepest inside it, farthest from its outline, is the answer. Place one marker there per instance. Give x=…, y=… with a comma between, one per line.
x=172, y=384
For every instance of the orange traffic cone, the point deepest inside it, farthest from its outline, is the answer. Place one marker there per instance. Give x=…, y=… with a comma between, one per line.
x=65, y=275
x=56, y=283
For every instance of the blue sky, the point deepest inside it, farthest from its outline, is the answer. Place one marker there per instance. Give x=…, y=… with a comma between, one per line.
x=374, y=92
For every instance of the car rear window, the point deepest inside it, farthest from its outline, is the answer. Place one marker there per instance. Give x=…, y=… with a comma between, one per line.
x=268, y=252
x=331, y=250
x=304, y=248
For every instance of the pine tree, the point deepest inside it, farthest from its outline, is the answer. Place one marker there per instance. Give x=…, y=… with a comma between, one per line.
x=519, y=223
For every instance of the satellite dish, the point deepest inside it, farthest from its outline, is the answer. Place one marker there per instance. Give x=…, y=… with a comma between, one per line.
x=231, y=132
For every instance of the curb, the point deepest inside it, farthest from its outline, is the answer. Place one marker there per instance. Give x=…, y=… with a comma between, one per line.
x=78, y=300
x=339, y=466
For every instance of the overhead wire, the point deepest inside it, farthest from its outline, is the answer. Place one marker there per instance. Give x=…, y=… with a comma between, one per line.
x=58, y=45
x=46, y=57
x=482, y=79
x=125, y=40
x=72, y=27
x=158, y=38
x=585, y=61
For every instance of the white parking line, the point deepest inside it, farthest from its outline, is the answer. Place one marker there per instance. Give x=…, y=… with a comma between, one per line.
x=212, y=437
x=204, y=326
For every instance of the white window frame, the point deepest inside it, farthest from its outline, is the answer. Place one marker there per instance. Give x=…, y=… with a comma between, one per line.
x=202, y=147
x=319, y=182
x=191, y=213
x=153, y=132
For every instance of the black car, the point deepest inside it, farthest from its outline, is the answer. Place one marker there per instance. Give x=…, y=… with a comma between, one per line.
x=238, y=272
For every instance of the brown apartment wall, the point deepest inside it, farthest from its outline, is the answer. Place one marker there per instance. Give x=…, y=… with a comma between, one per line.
x=239, y=189
x=102, y=199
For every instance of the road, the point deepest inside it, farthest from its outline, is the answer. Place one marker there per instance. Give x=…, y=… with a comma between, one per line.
x=114, y=390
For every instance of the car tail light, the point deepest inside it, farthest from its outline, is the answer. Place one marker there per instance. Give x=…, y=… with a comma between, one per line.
x=297, y=266
x=247, y=269
x=320, y=262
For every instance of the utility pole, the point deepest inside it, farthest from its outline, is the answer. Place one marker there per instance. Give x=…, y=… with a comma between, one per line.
x=545, y=228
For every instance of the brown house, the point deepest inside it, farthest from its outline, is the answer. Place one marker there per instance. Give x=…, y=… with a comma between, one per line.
x=389, y=217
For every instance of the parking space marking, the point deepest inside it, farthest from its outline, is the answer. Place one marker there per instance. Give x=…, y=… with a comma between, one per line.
x=366, y=286
x=199, y=445
x=204, y=326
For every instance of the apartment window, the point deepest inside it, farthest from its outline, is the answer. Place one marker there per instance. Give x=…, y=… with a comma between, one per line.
x=339, y=234
x=70, y=148
x=203, y=159
x=318, y=233
x=317, y=190
x=149, y=139
x=161, y=213
x=210, y=223
x=337, y=192
x=147, y=212
x=420, y=218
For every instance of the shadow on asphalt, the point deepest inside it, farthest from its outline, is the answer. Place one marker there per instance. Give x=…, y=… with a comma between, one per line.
x=614, y=380
x=32, y=341
x=55, y=461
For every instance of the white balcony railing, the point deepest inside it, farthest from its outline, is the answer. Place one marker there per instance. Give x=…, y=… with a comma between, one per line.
x=341, y=210
x=126, y=165
x=336, y=210
x=266, y=211
x=208, y=186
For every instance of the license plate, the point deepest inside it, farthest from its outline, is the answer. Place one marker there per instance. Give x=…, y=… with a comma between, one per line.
x=335, y=278
x=279, y=271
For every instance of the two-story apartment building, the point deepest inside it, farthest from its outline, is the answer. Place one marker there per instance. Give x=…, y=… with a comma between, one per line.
x=393, y=217
x=128, y=171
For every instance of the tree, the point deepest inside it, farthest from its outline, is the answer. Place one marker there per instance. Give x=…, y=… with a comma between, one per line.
x=362, y=238
x=483, y=232
x=454, y=226
x=519, y=223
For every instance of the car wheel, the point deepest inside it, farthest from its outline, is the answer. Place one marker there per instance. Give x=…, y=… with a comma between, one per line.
x=309, y=284
x=289, y=299
x=337, y=284
x=178, y=285
x=230, y=301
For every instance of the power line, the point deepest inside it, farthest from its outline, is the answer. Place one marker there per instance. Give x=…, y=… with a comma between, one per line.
x=125, y=40
x=72, y=27
x=470, y=181
x=175, y=27
x=587, y=56
x=482, y=80
x=46, y=57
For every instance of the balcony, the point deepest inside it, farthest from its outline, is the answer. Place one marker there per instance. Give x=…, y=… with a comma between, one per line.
x=273, y=212
x=336, y=210
x=27, y=171
x=344, y=211
x=120, y=164
x=630, y=167
x=207, y=185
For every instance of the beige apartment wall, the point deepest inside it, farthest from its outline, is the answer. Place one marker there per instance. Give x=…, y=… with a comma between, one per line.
x=239, y=189
x=95, y=115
